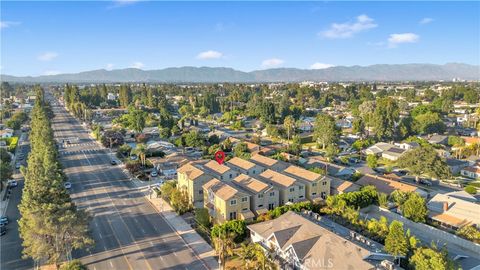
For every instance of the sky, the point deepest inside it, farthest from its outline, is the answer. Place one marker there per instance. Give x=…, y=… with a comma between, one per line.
x=44, y=38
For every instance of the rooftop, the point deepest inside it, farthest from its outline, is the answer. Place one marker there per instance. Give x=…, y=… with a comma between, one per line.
x=251, y=184
x=302, y=173
x=384, y=185
x=278, y=178
x=241, y=163
x=221, y=189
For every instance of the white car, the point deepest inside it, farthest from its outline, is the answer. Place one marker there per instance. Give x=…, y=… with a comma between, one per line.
x=12, y=183
x=67, y=185
x=154, y=174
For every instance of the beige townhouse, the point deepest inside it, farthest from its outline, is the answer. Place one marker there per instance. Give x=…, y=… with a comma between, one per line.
x=317, y=187
x=290, y=189
x=225, y=202
x=263, y=197
x=268, y=163
x=191, y=178
x=244, y=166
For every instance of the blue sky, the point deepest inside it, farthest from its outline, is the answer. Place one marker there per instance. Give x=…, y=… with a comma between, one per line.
x=40, y=38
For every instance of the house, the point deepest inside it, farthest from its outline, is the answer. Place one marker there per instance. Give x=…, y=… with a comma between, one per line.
x=192, y=179
x=263, y=197
x=453, y=212
x=471, y=140
x=112, y=96
x=244, y=166
x=268, y=163
x=305, y=244
x=471, y=171
x=306, y=124
x=316, y=186
x=6, y=133
x=344, y=123
x=462, y=195
x=378, y=148
x=456, y=165
x=438, y=139
x=225, y=202
x=339, y=186
x=331, y=168
x=290, y=189
x=387, y=186
x=407, y=145
x=393, y=153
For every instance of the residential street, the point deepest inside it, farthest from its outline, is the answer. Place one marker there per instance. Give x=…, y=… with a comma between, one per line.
x=129, y=233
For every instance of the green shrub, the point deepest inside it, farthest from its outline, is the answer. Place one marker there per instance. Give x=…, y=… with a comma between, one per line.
x=73, y=265
x=238, y=227
x=471, y=189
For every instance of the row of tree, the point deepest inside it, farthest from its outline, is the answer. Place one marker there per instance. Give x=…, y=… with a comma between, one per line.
x=50, y=226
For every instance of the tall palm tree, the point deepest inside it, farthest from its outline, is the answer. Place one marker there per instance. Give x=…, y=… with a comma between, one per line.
x=141, y=152
x=247, y=255
x=263, y=260
x=289, y=124
x=224, y=245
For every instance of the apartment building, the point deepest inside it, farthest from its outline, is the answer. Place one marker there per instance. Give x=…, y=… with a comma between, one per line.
x=226, y=202
x=219, y=171
x=317, y=187
x=192, y=178
x=263, y=197
x=244, y=166
x=290, y=189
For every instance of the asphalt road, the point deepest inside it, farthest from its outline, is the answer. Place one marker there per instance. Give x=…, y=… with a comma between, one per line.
x=128, y=232
x=10, y=243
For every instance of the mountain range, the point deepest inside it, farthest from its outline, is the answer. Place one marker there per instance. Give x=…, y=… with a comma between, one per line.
x=382, y=72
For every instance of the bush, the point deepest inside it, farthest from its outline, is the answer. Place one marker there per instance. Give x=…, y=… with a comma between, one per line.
x=73, y=265
x=471, y=189
x=202, y=217
x=11, y=143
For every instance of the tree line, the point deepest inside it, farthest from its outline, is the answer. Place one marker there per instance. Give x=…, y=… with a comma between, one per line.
x=50, y=226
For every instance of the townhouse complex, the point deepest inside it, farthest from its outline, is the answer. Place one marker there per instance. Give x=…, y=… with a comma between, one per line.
x=244, y=189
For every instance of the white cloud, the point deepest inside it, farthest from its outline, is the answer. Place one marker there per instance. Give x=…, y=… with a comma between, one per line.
x=320, y=66
x=51, y=72
x=109, y=66
x=396, y=39
x=272, y=62
x=348, y=29
x=7, y=24
x=47, y=56
x=209, y=55
x=426, y=21
x=138, y=65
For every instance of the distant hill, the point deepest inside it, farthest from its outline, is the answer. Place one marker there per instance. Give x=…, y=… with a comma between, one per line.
x=402, y=72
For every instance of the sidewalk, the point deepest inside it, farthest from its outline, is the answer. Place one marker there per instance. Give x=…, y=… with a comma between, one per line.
x=190, y=237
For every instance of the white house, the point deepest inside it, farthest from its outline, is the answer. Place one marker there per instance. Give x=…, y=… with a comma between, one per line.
x=6, y=133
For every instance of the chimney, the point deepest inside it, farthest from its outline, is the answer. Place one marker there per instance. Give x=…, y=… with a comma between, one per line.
x=445, y=206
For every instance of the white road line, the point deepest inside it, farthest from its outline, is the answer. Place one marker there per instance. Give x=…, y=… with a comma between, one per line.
x=111, y=264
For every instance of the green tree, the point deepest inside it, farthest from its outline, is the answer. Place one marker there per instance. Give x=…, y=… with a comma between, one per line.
x=470, y=232
x=385, y=117
x=429, y=123
x=141, y=151
x=396, y=241
x=424, y=161
x=289, y=125
x=224, y=245
x=125, y=96
x=202, y=217
x=372, y=161
x=73, y=265
x=325, y=131
x=414, y=208
x=5, y=173
x=136, y=119
x=425, y=258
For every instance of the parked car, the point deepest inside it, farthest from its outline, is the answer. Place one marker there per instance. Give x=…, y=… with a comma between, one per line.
x=113, y=162
x=425, y=182
x=3, y=230
x=18, y=165
x=133, y=157
x=67, y=185
x=3, y=220
x=12, y=183
x=154, y=174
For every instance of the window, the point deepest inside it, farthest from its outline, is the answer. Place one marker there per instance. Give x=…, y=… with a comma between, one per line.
x=324, y=183
x=300, y=187
x=244, y=209
x=314, y=184
x=260, y=196
x=323, y=195
x=244, y=199
x=233, y=215
x=221, y=177
x=314, y=193
x=231, y=176
x=233, y=202
x=200, y=191
x=301, y=196
x=260, y=206
x=292, y=189
x=253, y=171
x=272, y=194
x=271, y=206
x=290, y=200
